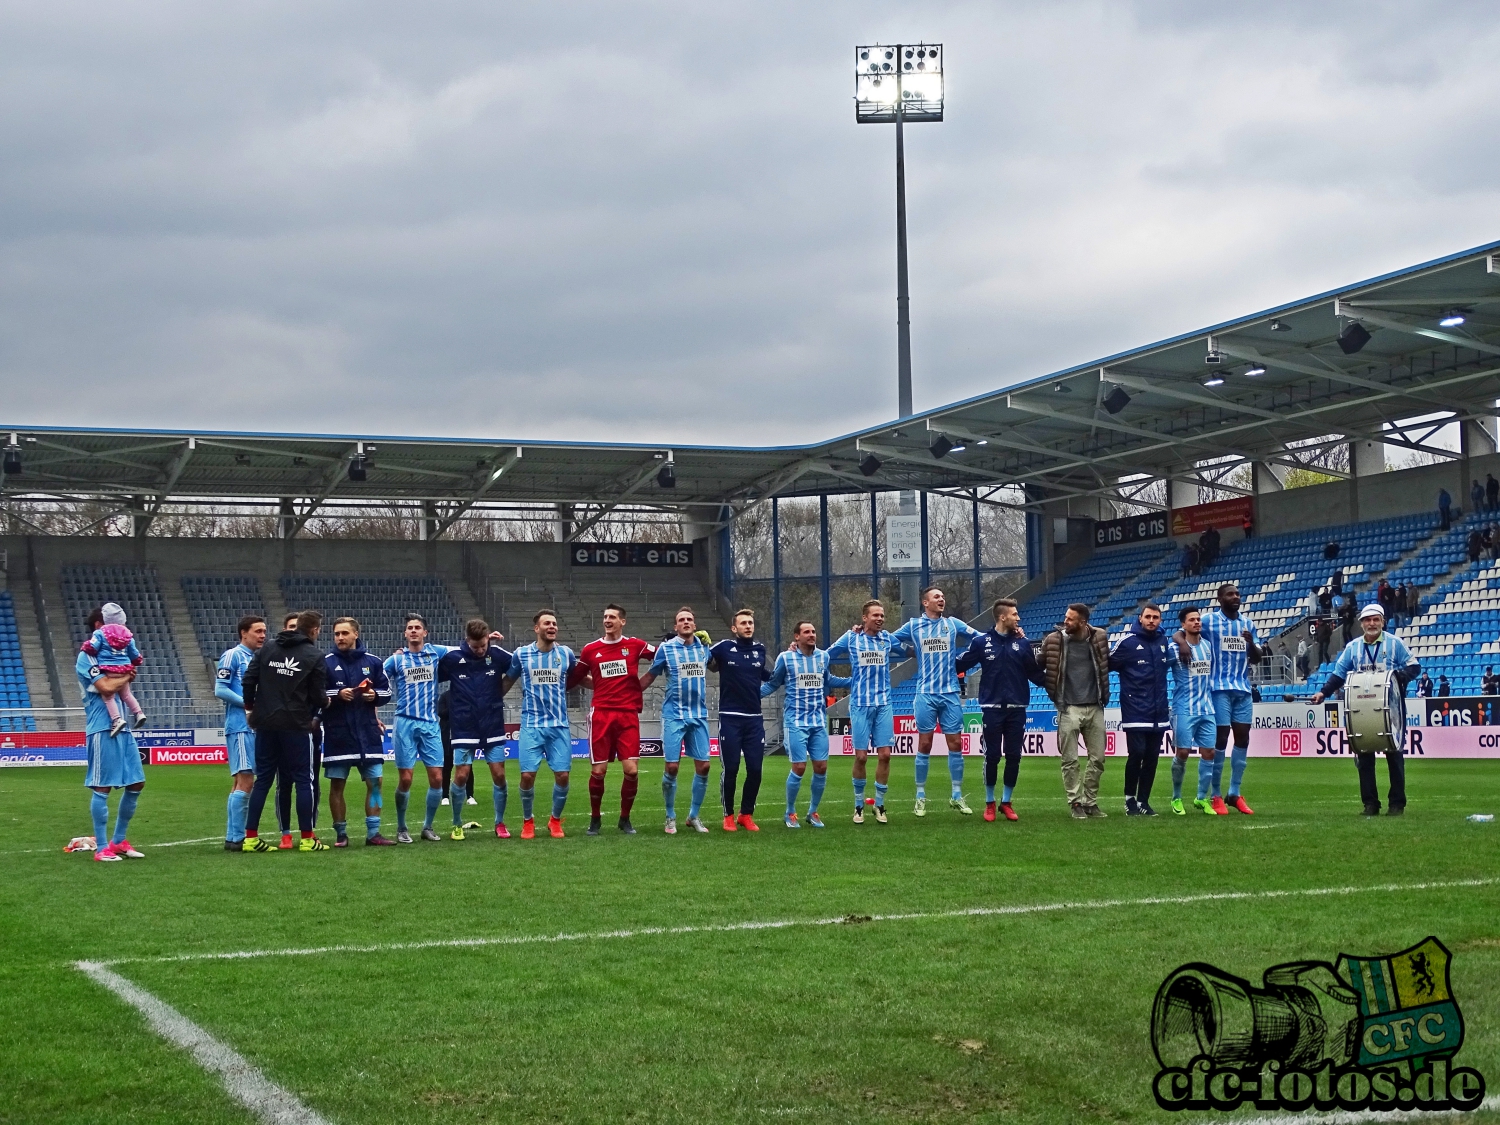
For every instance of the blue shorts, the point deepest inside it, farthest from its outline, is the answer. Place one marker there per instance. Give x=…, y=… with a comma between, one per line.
x=553, y=743
x=368, y=771
x=113, y=762
x=803, y=743
x=1233, y=707
x=241, y=747
x=684, y=736
x=1194, y=732
x=939, y=710
x=470, y=748
x=872, y=726
x=418, y=738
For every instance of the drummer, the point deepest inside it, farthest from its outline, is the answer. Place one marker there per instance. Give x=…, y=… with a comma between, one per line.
x=1376, y=650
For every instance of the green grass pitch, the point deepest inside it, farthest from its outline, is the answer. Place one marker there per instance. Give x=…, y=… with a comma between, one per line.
x=1028, y=1017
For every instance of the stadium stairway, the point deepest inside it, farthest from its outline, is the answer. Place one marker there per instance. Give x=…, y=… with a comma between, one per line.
x=14, y=693
x=33, y=659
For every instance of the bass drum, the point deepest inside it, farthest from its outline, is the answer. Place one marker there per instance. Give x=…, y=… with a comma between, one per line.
x=1374, y=712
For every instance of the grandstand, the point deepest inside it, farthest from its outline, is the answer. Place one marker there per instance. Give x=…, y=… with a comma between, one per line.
x=13, y=691
x=216, y=603
x=160, y=684
x=379, y=603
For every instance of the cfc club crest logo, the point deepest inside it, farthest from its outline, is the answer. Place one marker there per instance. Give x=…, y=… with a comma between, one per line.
x=1376, y=1032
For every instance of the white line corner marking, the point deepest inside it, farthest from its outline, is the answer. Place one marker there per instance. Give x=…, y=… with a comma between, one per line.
x=788, y=923
x=246, y=1085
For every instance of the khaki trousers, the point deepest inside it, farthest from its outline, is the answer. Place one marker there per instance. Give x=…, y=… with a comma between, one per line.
x=1072, y=723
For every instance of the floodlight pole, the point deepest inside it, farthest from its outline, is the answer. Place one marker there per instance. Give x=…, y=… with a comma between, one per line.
x=910, y=584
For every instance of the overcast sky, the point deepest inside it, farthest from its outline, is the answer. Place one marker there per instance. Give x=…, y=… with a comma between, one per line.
x=660, y=222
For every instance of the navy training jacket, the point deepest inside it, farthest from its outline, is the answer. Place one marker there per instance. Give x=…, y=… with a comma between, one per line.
x=351, y=733
x=1008, y=665
x=476, y=707
x=1142, y=659
x=742, y=669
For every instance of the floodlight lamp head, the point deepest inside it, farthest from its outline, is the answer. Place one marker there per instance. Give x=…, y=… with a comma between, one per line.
x=1354, y=337
x=869, y=464
x=359, y=468
x=12, y=460
x=941, y=446
x=1214, y=356
x=667, y=476
x=1214, y=380
x=1255, y=369
x=898, y=80
x=1453, y=318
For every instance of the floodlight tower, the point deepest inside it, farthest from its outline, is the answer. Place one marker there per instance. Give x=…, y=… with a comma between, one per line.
x=900, y=82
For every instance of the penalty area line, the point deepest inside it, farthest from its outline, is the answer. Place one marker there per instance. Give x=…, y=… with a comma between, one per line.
x=789, y=923
x=244, y=1083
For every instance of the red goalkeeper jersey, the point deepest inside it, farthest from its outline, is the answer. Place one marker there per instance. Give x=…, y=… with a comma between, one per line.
x=614, y=666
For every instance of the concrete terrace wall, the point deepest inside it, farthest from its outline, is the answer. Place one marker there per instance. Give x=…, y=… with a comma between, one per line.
x=1380, y=496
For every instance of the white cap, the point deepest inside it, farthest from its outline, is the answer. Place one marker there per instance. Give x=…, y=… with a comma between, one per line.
x=112, y=614
x=1372, y=610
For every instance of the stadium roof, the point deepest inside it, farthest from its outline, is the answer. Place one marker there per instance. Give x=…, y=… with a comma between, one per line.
x=1053, y=432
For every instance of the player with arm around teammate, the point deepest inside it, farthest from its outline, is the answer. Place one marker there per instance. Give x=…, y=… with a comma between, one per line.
x=1194, y=727
x=238, y=738
x=684, y=713
x=475, y=672
x=1376, y=650
x=1008, y=668
x=542, y=668
x=869, y=651
x=936, y=640
x=413, y=675
x=1235, y=647
x=610, y=666
x=740, y=661
x=357, y=685
x=803, y=670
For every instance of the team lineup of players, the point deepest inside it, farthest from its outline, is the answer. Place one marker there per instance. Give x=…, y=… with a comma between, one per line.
x=279, y=691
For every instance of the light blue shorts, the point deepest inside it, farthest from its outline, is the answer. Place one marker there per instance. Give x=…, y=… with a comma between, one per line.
x=1233, y=707
x=113, y=762
x=939, y=710
x=1194, y=732
x=368, y=771
x=803, y=743
x=684, y=736
x=872, y=727
x=241, y=747
x=553, y=743
x=418, y=738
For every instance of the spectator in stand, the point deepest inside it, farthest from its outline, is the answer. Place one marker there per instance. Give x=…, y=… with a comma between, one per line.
x=1190, y=560
x=1325, y=601
x=1424, y=686
x=1346, y=617
x=1445, y=508
x=1338, y=581
x=1491, y=492
x=1304, y=650
x=1325, y=637
x=1490, y=685
x=1383, y=596
x=1398, y=604
x=1476, y=543
x=1487, y=540
x=1312, y=602
x=1247, y=525
x=1205, y=551
x=1331, y=550
x=1413, y=602
x=1476, y=497
x=1444, y=688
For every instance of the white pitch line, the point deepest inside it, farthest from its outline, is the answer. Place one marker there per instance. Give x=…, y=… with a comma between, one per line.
x=245, y=1084
x=788, y=923
x=168, y=844
x=1360, y=1116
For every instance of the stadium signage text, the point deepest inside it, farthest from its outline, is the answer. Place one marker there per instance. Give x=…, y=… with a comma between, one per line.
x=1375, y=1032
x=1131, y=529
x=1461, y=711
x=1201, y=517
x=631, y=554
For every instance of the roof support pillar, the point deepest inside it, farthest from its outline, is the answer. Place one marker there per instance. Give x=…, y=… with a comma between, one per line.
x=1266, y=477
x=1181, y=494
x=286, y=519
x=1366, y=458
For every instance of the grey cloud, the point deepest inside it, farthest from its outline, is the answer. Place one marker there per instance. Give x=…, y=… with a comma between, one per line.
x=661, y=223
